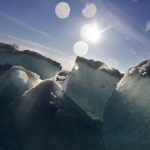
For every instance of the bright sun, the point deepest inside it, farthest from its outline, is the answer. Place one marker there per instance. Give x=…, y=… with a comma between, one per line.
x=91, y=33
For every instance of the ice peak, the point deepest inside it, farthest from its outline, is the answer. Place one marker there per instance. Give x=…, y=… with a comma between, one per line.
x=143, y=69
x=89, y=62
x=99, y=66
x=33, y=61
x=12, y=49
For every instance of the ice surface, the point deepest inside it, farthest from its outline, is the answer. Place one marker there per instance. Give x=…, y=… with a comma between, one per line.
x=67, y=113
x=90, y=84
x=127, y=115
x=4, y=68
x=61, y=76
x=48, y=120
x=33, y=61
x=14, y=81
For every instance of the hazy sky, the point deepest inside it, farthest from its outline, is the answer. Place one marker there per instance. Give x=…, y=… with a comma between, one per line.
x=33, y=24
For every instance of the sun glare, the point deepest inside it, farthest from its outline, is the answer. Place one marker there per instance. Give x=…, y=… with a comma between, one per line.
x=91, y=33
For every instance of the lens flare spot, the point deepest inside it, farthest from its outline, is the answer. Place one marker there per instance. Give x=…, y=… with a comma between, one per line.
x=62, y=10
x=80, y=48
x=89, y=11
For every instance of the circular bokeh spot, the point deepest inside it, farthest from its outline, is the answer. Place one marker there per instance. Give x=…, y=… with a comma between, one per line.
x=89, y=11
x=80, y=48
x=62, y=10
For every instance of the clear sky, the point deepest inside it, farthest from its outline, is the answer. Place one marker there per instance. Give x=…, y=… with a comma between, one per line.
x=33, y=24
